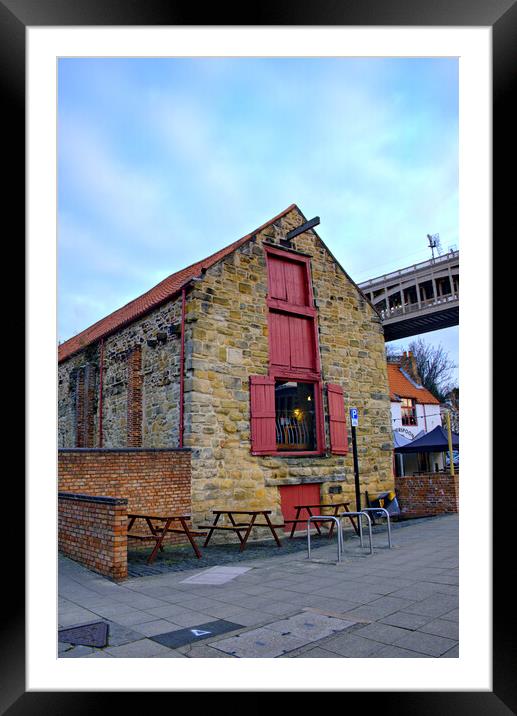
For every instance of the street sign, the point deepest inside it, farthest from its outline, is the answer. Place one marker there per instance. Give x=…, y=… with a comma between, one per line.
x=354, y=417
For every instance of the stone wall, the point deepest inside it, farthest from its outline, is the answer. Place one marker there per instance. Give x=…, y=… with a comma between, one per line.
x=432, y=493
x=229, y=342
x=140, y=400
x=93, y=531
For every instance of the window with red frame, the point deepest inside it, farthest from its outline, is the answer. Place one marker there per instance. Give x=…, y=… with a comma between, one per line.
x=287, y=404
x=408, y=410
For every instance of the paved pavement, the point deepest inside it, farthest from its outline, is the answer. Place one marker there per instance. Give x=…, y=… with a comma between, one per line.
x=398, y=603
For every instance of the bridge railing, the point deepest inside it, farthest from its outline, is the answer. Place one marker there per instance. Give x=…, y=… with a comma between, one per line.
x=393, y=312
x=445, y=258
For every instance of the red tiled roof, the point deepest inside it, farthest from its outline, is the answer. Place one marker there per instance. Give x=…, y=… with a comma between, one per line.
x=161, y=293
x=401, y=387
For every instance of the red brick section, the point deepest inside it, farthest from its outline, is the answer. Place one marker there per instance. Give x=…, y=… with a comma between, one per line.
x=92, y=531
x=134, y=398
x=85, y=392
x=154, y=481
x=432, y=493
x=79, y=408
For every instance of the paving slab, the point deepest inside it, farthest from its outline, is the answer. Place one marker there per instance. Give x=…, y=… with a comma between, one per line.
x=396, y=652
x=316, y=653
x=441, y=627
x=204, y=651
x=434, y=606
x=76, y=652
x=454, y=615
x=142, y=648
x=259, y=643
x=249, y=617
x=310, y=626
x=352, y=646
x=216, y=575
x=159, y=626
x=405, y=620
x=119, y=634
x=384, y=633
x=425, y=643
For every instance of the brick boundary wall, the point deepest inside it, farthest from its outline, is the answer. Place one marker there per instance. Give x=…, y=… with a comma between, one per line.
x=153, y=480
x=434, y=493
x=92, y=531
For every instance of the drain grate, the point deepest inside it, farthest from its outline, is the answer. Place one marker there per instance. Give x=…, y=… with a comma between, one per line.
x=92, y=634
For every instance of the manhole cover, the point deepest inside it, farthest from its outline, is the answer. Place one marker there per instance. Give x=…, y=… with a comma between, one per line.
x=93, y=634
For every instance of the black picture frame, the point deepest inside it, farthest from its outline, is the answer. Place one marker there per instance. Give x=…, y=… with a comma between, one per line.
x=15, y=17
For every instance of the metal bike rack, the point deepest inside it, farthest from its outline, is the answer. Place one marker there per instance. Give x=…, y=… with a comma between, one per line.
x=326, y=518
x=358, y=515
x=381, y=509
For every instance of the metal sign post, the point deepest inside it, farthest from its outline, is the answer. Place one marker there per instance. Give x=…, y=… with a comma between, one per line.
x=354, y=420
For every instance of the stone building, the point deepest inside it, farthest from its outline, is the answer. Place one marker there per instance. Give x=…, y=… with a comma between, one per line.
x=251, y=358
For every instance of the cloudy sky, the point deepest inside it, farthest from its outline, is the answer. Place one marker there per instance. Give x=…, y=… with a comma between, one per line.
x=163, y=161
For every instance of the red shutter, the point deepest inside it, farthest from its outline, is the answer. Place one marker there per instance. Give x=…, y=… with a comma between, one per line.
x=337, y=420
x=301, y=340
x=279, y=354
x=277, y=288
x=296, y=283
x=262, y=413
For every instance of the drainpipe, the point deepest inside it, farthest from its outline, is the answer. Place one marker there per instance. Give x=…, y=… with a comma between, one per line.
x=182, y=363
x=101, y=375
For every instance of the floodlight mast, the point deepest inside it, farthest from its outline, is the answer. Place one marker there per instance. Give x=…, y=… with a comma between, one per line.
x=434, y=243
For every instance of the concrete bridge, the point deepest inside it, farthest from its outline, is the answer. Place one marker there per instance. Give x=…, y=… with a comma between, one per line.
x=419, y=298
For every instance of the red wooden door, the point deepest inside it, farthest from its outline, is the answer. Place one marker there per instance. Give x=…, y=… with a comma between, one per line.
x=291, y=495
x=288, y=281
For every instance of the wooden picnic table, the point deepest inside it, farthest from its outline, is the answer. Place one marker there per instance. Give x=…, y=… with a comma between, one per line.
x=239, y=527
x=337, y=506
x=157, y=533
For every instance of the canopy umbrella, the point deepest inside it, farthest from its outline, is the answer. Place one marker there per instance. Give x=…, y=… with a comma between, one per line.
x=434, y=441
x=400, y=440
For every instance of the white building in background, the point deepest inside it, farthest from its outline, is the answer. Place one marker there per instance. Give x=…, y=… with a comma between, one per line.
x=414, y=411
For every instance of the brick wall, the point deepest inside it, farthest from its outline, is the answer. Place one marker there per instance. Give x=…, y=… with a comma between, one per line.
x=84, y=405
x=92, y=531
x=153, y=481
x=134, y=398
x=432, y=493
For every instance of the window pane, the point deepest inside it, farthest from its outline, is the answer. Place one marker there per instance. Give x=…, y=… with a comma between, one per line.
x=295, y=416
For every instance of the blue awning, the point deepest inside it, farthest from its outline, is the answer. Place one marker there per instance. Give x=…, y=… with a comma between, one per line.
x=434, y=441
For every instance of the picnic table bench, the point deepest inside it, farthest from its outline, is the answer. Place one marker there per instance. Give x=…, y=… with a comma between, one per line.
x=156, y=533
x=239, y=527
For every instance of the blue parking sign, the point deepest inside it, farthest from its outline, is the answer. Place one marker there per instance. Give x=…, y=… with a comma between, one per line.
x=354, y=417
